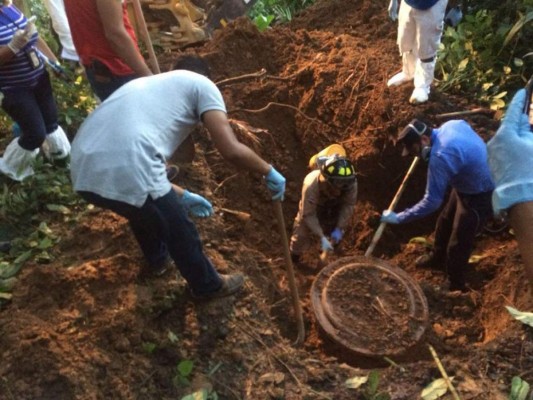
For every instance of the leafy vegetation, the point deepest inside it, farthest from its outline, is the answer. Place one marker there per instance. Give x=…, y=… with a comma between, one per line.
x=488, y=56
x=266, y=12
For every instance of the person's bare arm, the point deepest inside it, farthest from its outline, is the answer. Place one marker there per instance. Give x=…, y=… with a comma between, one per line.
x=43, y=47
x=229, y=147
x=112, y=20
x=521, y=217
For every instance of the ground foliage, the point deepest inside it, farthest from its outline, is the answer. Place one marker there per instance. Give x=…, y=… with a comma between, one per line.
x=83, y=325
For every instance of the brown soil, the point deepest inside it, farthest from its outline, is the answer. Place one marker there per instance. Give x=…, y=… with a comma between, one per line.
x=86, y=327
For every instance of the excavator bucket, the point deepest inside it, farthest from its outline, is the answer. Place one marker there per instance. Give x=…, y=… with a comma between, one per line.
x=175, y=24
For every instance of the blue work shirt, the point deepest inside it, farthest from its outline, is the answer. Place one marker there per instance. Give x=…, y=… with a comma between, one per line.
x=459, y=160
x=421, y=4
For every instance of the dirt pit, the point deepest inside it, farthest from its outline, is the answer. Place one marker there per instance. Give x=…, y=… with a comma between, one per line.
x=86, y=327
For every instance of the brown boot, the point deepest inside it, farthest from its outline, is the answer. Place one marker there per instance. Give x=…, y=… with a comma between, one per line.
x=231, y=284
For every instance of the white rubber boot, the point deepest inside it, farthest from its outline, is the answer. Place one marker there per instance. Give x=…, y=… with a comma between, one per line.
x=17, y=163
x=423, y=77
x=56, y=146
x=408, y=70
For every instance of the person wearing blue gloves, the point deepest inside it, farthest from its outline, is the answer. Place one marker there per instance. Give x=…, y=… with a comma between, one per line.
x=457, y=159
x=420, y=26
x=329, y=194
x=511, y=164
x=118, y=163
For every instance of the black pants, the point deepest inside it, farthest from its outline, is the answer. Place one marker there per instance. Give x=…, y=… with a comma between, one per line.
x=462, y=217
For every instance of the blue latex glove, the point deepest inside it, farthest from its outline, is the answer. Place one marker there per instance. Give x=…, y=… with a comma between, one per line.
x=336, y=235
x=393, y=10
x=196, y=205
x=276, y=184
x=511, y=157
x=389, y=217
x=325, y=244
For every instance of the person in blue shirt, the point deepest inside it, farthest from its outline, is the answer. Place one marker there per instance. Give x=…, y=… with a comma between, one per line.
x=457, y=159
x=26, y=95
x=420, y=25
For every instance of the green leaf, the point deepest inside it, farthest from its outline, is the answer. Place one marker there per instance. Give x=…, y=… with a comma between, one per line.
x=421, y=240
x=474, y=259
x=519, y=389
x=45, y=243
x=172, y=337
x=58, y=208
x=185, y=368
x=7, y=285
x=5, y=296
x=518, y=62
x=149, y=347
x=462, y=65
x=382, y=396
x=373, y=382
x=199, y=395
x=522, y=316
x=8, y=270
x=356, y=382
x=23, y=257
x=434, y=390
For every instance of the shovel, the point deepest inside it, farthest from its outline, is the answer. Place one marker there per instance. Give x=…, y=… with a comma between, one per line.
x=392, y=206
x=290, y=272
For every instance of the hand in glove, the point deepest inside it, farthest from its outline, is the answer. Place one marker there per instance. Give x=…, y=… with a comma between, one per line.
x=393, y=10
x=276, y=184
x=325, y=244
x=7, y=3
x=510, y=155
x=389, y=217
x=23, y=37
x=196, y=204
x=336, y=235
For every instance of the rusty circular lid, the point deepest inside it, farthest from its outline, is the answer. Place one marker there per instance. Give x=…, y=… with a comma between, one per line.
x=369, y=306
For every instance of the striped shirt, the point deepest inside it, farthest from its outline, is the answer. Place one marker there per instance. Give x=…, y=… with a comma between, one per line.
x=19, y=71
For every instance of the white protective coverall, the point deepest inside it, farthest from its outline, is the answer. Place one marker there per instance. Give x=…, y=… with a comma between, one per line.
x=419, y=35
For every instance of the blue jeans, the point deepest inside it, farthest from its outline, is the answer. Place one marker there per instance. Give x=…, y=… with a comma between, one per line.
x=103, y=81
x=34, y=109
x=161, y=227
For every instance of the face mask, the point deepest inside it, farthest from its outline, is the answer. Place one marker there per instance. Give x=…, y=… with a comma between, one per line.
x=425, y=153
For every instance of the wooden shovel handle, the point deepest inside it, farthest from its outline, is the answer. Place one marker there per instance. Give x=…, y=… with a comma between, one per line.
x=290, y=272
x=392, y=206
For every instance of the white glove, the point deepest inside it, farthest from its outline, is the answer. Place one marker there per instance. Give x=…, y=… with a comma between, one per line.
x=325, y=244
x=393, y=10
x=22, y=37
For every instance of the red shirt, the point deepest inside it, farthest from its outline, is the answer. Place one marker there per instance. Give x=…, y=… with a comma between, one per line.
x=89, y=36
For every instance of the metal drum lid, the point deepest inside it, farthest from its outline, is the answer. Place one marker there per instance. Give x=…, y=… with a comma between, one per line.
x=369, y=306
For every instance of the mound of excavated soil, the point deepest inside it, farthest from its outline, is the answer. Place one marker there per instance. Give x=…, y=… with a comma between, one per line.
x=86, y=327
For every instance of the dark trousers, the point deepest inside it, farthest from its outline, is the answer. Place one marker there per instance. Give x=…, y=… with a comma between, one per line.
x=103, y=81
x=462, y=217
x=162, y=227
x=34, y=110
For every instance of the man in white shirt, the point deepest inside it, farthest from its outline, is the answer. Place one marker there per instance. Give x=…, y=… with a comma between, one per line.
x=118, y=162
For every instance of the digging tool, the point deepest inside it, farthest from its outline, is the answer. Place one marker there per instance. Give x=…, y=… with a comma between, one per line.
x=243, y=216
x=467, y=112
x=290, y=272
x=139, y=16
x=392, y=206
